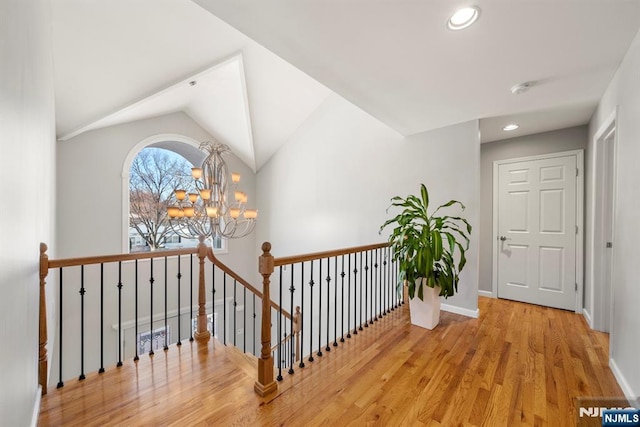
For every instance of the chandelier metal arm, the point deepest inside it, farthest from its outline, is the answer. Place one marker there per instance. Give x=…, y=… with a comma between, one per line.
x=207, y=210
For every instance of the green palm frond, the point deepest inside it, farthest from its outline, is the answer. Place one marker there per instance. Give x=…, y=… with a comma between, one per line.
x=428, y=246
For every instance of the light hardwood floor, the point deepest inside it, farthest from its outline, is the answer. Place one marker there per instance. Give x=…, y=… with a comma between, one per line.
x=518, y=364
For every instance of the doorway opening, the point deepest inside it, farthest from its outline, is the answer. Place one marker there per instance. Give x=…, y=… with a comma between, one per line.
x=602, y=284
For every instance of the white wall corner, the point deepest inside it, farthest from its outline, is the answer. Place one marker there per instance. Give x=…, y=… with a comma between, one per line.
x=623, y=383
x=462, y=311
x=587, y=317
x=487, y=294
x=36, y=407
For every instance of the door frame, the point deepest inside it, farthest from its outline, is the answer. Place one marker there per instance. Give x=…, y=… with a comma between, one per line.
x=599, y=308
x=579, y=256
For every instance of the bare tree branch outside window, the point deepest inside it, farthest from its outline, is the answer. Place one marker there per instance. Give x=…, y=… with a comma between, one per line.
x=155, y=173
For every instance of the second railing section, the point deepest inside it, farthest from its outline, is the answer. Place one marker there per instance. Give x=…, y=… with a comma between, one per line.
x=332, y=297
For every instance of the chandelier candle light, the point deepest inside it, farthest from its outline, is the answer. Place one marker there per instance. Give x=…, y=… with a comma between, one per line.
x=205, y=210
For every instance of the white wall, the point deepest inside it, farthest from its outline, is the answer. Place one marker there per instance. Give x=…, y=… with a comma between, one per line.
x=574, y=138
x=27, y=139
x=89, y=208
x=623, y=93
x=330, y=185
x=90, y=222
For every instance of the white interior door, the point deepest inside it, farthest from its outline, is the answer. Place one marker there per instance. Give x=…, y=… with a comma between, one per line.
x=536, y=208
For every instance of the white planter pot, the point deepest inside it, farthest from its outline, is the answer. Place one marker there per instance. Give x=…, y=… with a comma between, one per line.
x=425, y=313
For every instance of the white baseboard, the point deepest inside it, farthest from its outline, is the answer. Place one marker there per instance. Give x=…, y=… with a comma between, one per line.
x=487, y=294
x=587, y=317
x=623, y=383
x=36, y=407
x=462, y=311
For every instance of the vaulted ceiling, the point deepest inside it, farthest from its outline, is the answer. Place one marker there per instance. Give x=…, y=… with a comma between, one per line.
x=262, y=67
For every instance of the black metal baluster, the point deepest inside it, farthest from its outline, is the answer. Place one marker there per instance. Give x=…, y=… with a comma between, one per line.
x=279, y=377
x=400, y=293
x=327, y=348
x=253, y=335
x=402, y=301
x=179, y=276
x=342, y=303
x=82, y=292
x=392, y=280
x=360, y=299
x=244, y=320
x=235, y=311
x=136, y=358
x=101, y=370
x=400, y=296
x=335, y=302
x=292, y=356
x=376, y=284
x=224, y=308
x=394, y=286
x=214, y=326
x=385, y=267
x=381, y=309
x=166, y=324
x=372, y=292
x=320, y=308
x=366, y=289
x=60, y=383
x=119, y=364
x=349, y=301
x=301, y=364
x=191, y=298
x=311, y=316
x=151, y=280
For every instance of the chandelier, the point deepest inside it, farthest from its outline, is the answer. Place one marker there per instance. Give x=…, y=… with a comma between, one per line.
x=204, y=209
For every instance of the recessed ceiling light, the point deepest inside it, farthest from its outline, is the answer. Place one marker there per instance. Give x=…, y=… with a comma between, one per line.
x=510, y=127
x=464, y=17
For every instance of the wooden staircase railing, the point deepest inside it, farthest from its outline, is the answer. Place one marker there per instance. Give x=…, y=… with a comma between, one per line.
x=184, y=256
x=360, y=289
x=360, y=281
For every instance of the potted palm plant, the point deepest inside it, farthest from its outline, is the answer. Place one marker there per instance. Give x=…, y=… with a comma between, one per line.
x=430, y=251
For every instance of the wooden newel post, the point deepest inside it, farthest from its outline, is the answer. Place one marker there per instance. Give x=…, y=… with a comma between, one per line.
x=265, y=383
x=202, y=334
x=42, y=354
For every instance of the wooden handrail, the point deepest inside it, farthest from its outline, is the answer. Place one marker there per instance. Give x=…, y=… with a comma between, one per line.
x=103, y=259
x=284, y=341
x=73, y=262
x=222, y=266
x=326, y=254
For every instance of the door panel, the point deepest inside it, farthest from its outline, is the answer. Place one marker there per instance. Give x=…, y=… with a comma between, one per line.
x=537, y=225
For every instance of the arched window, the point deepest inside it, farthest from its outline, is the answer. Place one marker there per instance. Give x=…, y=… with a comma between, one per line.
x=157, y=169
